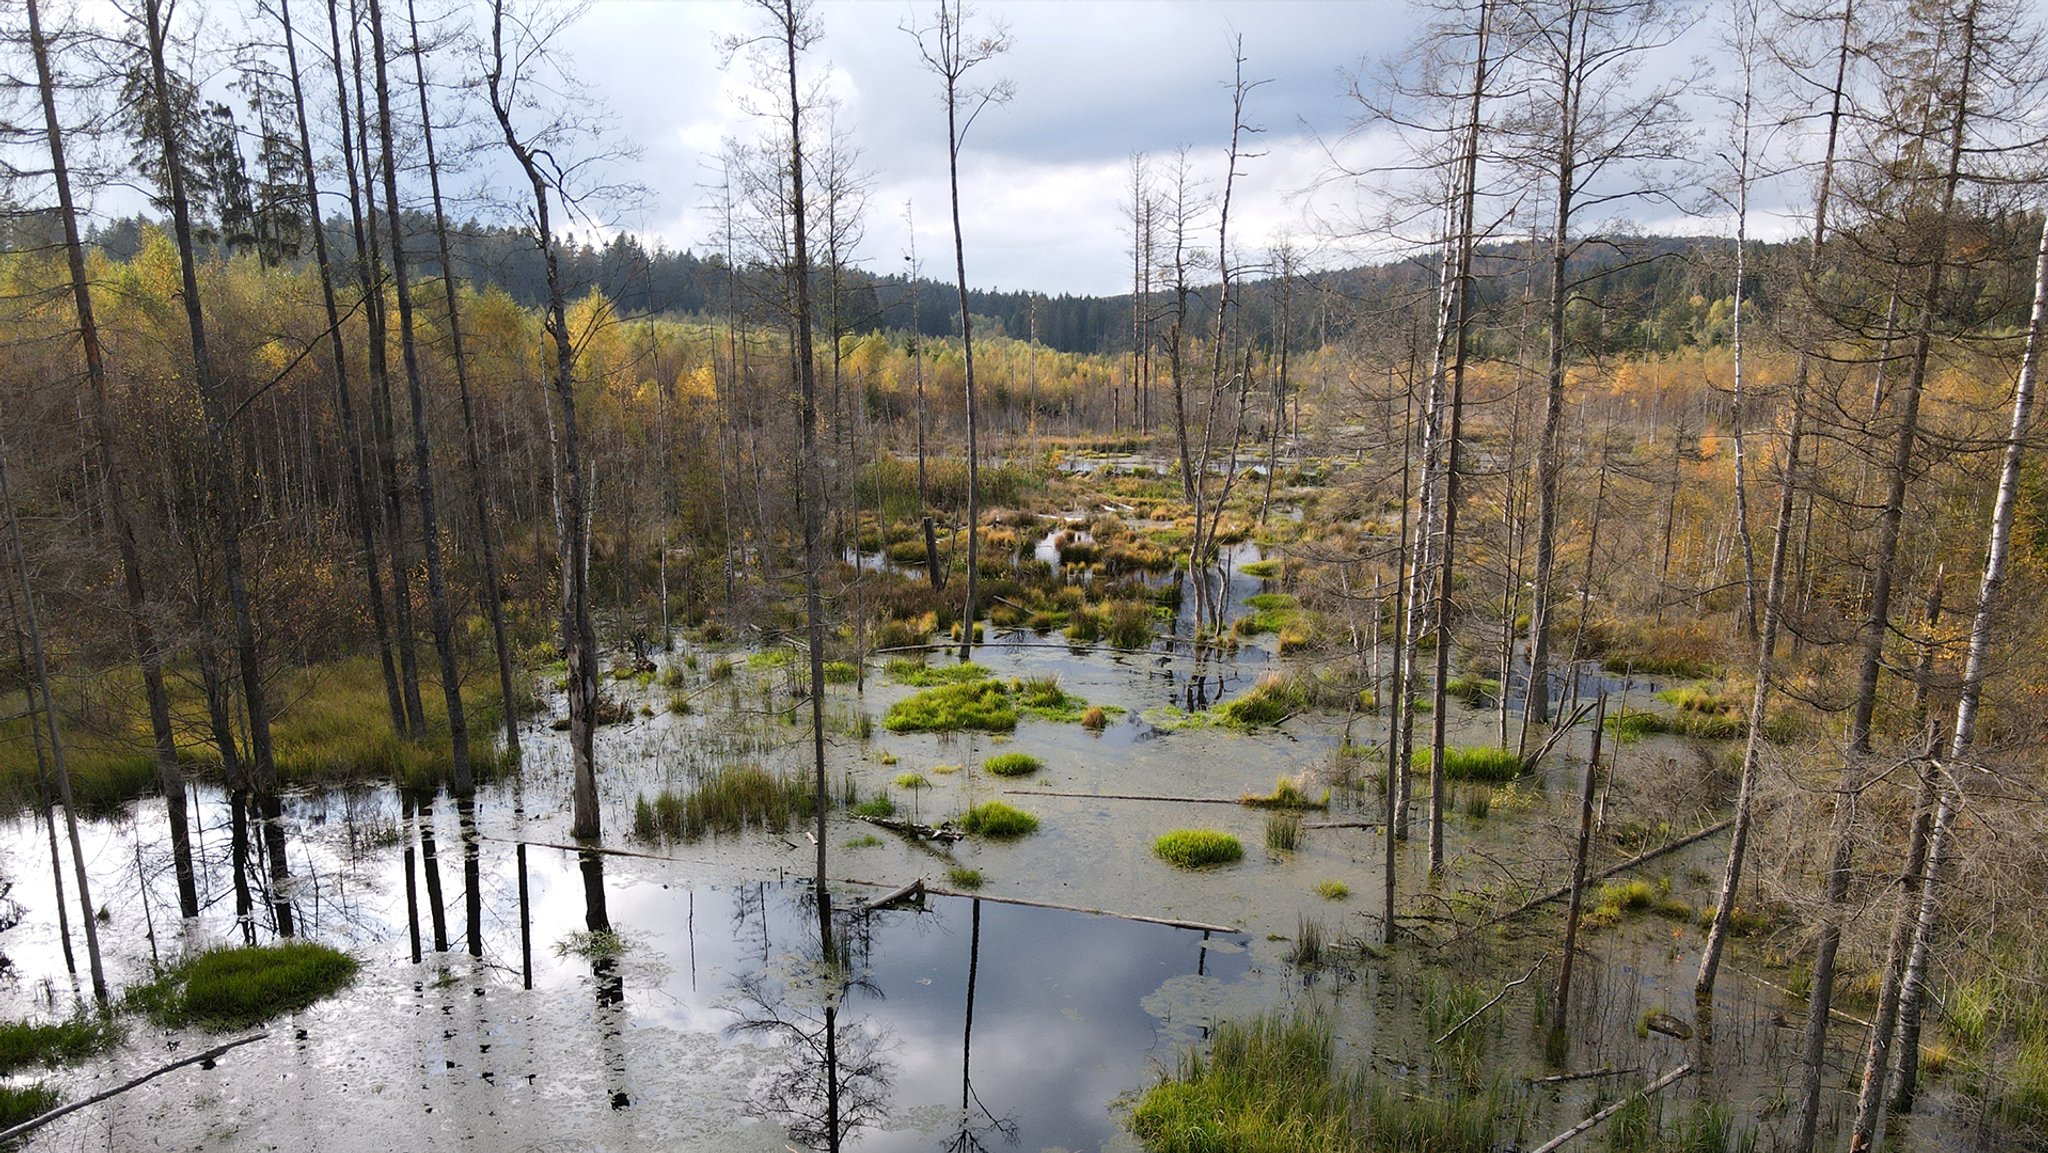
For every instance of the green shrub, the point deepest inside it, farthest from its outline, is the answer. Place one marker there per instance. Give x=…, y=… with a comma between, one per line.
x=228, y=988
x=1196, y=848
x=998, y=820
x=1012, y=764
x=971, y=705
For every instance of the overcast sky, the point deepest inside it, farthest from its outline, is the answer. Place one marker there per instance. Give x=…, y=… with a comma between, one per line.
x=1044, y=179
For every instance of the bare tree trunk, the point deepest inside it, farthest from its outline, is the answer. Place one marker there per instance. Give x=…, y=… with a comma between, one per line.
x=1563, y=1000
x=344, y=407
x=579, y=635
x=462, y=780
x=369, y=272
x=147, y=650
x=494, y=597
x=1923, y=913
x=56, y=732
x=46, y=787
x=227, y=493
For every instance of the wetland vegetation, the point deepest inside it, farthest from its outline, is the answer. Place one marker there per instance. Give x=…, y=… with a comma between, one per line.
x=528, y=708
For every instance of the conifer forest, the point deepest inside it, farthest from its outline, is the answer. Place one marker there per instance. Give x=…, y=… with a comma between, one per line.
x=1476, y=599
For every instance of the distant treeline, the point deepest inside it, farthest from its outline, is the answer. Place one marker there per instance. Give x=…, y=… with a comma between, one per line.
x=1656, y=294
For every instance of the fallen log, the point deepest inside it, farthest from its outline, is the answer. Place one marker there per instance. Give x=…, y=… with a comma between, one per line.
x=911, y=892
x=1170, y=922
x=1650, y=1090
x=1562, y=1078
x=1125, y=797
x=1632, y=862
x=34, y=1123
x=1504, y=991
x=912, y=829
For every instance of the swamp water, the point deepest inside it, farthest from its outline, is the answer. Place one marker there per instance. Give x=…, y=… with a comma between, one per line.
x=707, y=1022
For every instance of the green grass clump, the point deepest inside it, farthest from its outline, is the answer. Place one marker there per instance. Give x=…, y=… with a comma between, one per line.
x=864, y=841
x=23, y=1043
x=913, y=780
x=979, y=705
x=728, y=800
x=1332, y=890
x=917, y=674
x=880, y=805
x=1473, y=691
x=230, y=988
x=841, y=672
x=998, y=820
x=1273, y=1086
x=1196, y=848
x=1012, y=764
x=1477, y=763
x=1264, y=570
x=771, y=659
x=1708, y=726
x=1129, y=625
x=1272, y=700
x=962, y=877
x=1285, y=795
x=679, y=705
x=1283, y=832
x=25, y=1103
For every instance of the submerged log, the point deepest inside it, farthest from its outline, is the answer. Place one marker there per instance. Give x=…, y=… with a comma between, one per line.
x=914, y=891
x=941, y=832
x=34, y=1123
x=1650, y=1090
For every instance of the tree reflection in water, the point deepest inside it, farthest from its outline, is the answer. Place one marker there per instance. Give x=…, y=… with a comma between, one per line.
x=606, y=976
x=973, y=1132
x=835, y=1077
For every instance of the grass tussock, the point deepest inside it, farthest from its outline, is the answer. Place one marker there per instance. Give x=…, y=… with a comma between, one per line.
x=1474, y=691
x=728, y=800
x=961, y=877
x=1013, y=764
x=20, y=1103
x=1197, y=848
x=998, y=820
x=1477, y=763
x=231, y=988
x=982, y=705
x=918, y=674
x=1272, y=700
x=26, y=1043
x=1286, y=794
x=1332, y=890
x=1283, y=832
x=1273, y=1086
